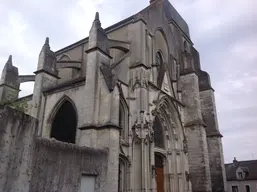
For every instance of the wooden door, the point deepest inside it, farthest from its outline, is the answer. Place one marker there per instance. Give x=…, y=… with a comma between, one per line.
x=159, y=179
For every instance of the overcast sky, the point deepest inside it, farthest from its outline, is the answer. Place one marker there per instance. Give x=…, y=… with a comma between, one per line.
x=224, y=32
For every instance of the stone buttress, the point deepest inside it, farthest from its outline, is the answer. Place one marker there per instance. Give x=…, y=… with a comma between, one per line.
x=215, y=149
x=195, y=128
x=46, y=76
x=101, y=103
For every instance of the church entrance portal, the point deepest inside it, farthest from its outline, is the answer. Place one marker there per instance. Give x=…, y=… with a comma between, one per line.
x=159, y=173
x=65, y=123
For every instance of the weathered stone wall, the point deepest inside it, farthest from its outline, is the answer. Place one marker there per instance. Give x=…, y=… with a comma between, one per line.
x=209, y=114
x=58, y=166
x=17, y=132
x=199, y=167
x=215, y=149
x=217, y=167
x=30, y=164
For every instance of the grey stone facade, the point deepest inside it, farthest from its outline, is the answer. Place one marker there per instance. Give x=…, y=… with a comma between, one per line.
x=132, y=102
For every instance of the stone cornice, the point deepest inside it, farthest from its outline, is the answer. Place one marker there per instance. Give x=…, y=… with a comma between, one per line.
x=99, y=127
x=195, y=123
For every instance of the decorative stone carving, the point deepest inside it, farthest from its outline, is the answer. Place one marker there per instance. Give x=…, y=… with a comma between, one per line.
x=139, y=81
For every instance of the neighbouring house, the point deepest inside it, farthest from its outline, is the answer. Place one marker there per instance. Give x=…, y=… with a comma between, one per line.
x=242, y=176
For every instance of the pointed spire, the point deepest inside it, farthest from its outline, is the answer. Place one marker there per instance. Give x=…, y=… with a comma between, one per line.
x=46, y=46
x=9, y=61
x=97, y=36
x=97, y=16
x=8, y=65
x=47, y=41
x=96, y=23
x=10, y=74
x=47, y=58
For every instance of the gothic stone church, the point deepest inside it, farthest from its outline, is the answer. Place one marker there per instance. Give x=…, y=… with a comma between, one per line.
x=127, y=109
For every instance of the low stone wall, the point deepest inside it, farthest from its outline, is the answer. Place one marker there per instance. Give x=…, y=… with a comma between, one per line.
x=32, y=164
x=17, y=134
x=58, y=166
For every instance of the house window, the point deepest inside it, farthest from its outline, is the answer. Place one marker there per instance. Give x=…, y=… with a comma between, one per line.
x=234, y=188
x=247, y=188
x=240, y=175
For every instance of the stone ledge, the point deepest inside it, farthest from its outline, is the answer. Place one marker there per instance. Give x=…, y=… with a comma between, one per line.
x=53, y=143
x=99, y=127
x=195, y=122
x=214, y=134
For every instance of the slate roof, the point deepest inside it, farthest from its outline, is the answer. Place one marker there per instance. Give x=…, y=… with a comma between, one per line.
x=250, y=166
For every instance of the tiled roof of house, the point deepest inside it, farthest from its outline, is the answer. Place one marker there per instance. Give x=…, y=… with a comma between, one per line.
x=248, y=166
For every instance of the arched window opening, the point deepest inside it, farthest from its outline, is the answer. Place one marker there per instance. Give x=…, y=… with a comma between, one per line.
x=159, y=60
x=160, y=69
x=122, y=120
x=65, y=123
x=159, y=172
x=122, y=176
x=158, y=133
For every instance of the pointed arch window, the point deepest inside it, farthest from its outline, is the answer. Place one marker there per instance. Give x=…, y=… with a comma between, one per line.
x=158, y=133
x=160, y=68
x=64, y=124
x=123, y=120
x=159, y=60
